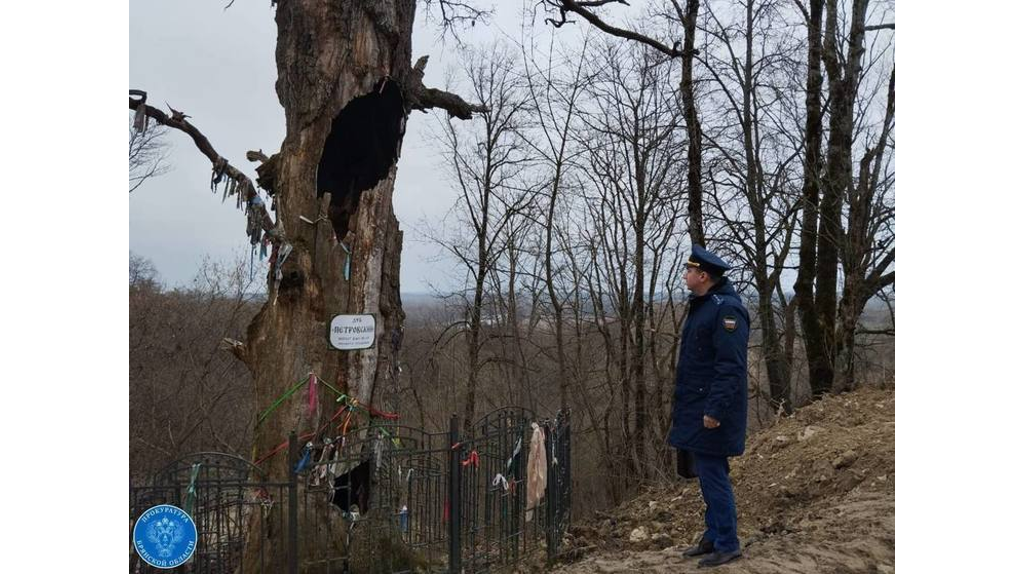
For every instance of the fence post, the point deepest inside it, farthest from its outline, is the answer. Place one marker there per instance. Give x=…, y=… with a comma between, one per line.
x=567, y=469
x=454, y=503
x=550, y=491
x=293, y=505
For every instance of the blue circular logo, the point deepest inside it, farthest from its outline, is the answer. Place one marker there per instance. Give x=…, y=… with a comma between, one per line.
x=165, y=536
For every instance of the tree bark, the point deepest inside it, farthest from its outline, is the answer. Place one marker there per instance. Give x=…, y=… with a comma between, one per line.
x=837, y=179
x=814, y=343
x=639, y=316
x=693, y=133
x=864, y=277
x=347, y=84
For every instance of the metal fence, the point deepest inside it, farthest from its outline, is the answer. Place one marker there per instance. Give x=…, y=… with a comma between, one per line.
x=386, y=498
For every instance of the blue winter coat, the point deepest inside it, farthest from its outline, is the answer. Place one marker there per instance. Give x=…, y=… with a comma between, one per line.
x=711, y=376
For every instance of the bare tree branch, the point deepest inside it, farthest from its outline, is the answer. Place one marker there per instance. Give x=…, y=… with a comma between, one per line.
x=147, y=154
x=423, y=98
x=221, y=166
x=580, y=8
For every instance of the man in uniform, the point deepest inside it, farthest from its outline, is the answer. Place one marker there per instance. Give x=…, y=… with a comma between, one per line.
x=709, y=414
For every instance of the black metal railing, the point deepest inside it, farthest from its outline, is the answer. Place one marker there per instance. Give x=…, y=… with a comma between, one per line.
x=229, y=499
x=384, y=498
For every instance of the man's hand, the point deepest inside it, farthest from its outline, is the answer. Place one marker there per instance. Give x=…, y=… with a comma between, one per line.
x=710, y=423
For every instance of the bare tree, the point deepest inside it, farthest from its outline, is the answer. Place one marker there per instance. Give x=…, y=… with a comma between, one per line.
x=868, y=244
x=755, y=162
x=694, y=160
x=633, y=156
x=811, y=198
x=822, y=236
x=843, y=79
x=147, y=154
x=484, y=160
x=141, y=272
x=585, y=292
x=555, y=105
x=187, y=395
x=687, y=18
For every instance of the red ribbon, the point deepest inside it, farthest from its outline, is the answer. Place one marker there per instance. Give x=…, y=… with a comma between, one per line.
x=381, y=414
x=306, y=436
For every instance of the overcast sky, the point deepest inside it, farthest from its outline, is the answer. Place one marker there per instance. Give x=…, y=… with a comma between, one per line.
x=218, y=67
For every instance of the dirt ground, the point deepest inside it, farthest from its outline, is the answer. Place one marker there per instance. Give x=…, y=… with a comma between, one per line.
x=815, y=494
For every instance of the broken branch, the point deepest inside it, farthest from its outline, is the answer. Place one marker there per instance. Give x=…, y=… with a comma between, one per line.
x=423, y=98
x=427, y=98
x=236, y=348
x=257, y=155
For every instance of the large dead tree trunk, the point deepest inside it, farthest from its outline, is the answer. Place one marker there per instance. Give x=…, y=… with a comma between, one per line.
x=347, y=85
x=346, y=82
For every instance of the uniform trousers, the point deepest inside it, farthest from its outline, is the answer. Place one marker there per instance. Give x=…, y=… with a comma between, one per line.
x=720, y=515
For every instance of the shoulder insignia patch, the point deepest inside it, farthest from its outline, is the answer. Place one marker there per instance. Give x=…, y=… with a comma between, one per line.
x=729, y=322
x=718, y=300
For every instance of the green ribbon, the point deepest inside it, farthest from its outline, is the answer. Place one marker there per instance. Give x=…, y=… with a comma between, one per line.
x=336, y=391
x=342, y=397
x=190, y=493
x=280, y=400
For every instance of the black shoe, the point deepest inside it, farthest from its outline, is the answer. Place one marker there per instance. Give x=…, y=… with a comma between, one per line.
x=705, y=546
x=719, y=558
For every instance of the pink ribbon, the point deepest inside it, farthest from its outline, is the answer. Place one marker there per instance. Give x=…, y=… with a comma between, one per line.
x=313, y=395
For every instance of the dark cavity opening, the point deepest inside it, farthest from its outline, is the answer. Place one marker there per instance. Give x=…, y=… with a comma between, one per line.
x=353, y=489
x=360, y=150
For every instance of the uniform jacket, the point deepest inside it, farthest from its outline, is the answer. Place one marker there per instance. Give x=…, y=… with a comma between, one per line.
x=711, y=375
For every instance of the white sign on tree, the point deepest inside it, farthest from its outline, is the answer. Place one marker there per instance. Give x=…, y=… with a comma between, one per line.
x=352, y=332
